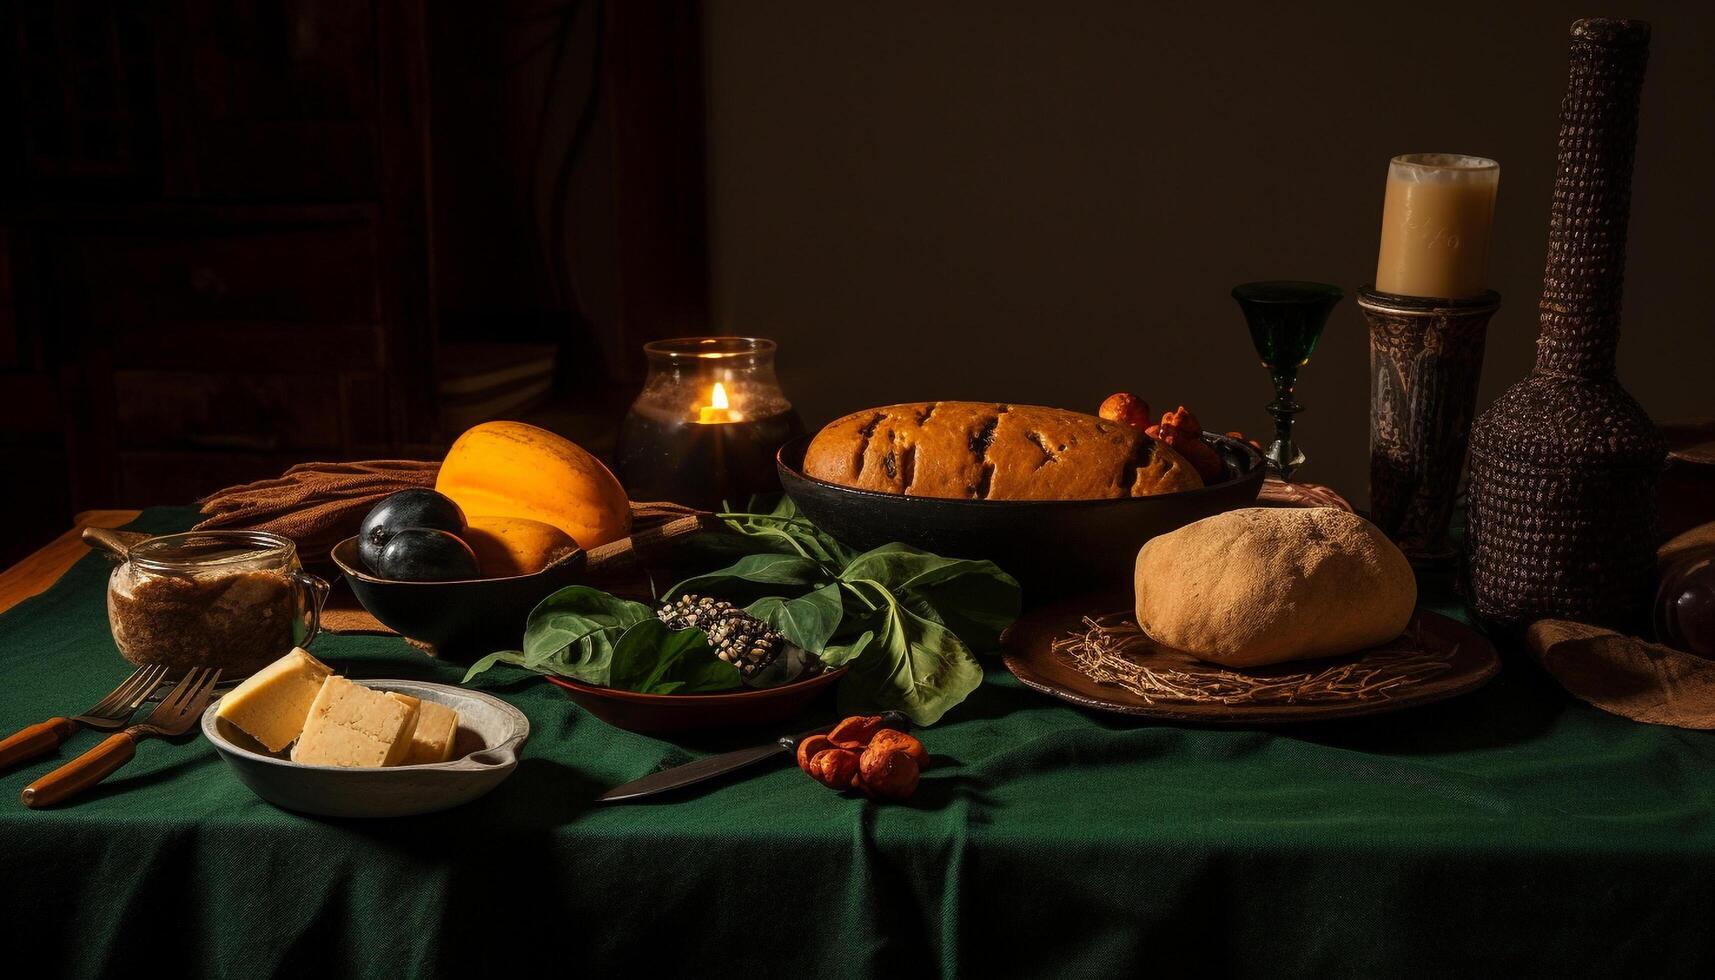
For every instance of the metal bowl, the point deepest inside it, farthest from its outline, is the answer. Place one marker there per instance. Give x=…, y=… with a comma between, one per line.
x=1053, y=547
x=490, y=735
x=463, y=619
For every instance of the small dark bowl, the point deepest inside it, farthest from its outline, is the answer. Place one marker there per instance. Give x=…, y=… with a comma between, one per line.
x=1053, y=547
x=678, y=714
x=460, y=619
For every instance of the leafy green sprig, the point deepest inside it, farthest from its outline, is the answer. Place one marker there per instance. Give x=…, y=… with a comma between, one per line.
x=904, y=622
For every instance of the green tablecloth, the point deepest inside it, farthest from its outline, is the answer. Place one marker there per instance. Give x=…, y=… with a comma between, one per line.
x=1512, y=831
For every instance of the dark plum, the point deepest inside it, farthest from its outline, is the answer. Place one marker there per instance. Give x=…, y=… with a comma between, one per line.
x=426, y=554
x=419, y=507
x=1685, y=607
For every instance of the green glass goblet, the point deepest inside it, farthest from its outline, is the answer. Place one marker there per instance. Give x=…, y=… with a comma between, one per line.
x=1286, y=320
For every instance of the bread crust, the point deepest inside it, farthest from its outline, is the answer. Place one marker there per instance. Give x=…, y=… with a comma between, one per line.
x=1264, y=585
x=994, y=451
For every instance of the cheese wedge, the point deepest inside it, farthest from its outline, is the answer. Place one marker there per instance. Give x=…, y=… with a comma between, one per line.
x=271, y=705
x=432, y=741
x=351, y=725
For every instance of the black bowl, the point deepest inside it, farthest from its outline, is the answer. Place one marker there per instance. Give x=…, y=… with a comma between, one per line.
x=1053, y=547
x=461, y=619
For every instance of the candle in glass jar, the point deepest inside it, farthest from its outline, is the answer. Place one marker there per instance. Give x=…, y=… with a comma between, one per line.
x=719, y=409
x=1436, y=220
x=706, y=426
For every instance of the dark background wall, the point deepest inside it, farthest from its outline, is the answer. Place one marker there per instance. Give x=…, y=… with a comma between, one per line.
x=1048, y=202
x=239, y=235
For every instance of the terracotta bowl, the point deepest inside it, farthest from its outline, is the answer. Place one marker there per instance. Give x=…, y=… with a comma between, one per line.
x=460, y=619
x=1053, y=547
x=674, y=714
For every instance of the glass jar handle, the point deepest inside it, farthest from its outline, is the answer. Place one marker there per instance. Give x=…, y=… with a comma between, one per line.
x=115, y=544
x=316, y=591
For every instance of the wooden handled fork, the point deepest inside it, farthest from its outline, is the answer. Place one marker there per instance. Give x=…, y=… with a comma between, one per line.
x=110, y=714
x=175, y=715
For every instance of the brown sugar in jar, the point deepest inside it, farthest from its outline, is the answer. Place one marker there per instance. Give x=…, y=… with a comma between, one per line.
x=231, y=599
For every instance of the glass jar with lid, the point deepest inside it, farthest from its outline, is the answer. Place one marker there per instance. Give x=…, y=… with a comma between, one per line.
x=237, y=600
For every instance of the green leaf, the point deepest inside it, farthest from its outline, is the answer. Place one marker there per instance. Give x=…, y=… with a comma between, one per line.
x=755, y=576
x=840, y=654
x=785, y=530
x=977, y=607
x=975, y=599
x=514, y=657
x=572, y=633
x=901, y=567
x=810, y=620
x=912, y=664
x=703, y=674
x=653, y=659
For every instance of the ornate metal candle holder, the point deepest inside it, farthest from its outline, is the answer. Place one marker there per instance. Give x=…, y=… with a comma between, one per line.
x=1425, y=357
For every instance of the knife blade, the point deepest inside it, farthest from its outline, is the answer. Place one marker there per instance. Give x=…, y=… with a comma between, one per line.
x=694, y=772
x=714, y=766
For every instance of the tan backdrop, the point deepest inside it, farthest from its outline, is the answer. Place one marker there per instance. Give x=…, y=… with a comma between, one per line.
x=1042, y=202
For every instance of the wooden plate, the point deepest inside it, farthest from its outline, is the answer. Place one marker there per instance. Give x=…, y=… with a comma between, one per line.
x=1452, y=659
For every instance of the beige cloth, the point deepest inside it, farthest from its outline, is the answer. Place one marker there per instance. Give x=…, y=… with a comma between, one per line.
x=1626, y=676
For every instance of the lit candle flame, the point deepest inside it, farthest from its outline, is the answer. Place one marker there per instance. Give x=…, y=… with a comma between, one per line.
x=718, y=409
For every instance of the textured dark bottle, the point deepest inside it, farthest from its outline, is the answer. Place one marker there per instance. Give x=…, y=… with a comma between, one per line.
x=1564, y=465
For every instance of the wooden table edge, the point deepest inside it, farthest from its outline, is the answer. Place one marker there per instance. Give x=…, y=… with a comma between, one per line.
x=43, y=567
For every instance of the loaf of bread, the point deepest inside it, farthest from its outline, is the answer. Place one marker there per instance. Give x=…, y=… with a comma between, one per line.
x=1265, y=585
x=985, y=451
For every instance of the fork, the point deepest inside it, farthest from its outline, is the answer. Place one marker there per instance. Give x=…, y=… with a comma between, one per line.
x=173, y=716
x=111, y=713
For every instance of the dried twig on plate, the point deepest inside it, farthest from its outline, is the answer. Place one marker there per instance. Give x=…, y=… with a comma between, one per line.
x=1113, y=650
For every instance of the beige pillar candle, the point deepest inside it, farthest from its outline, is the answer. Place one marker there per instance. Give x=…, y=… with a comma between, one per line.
x=1436, y=220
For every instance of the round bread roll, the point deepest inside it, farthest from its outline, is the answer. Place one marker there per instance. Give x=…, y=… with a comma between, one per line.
x=1266, y=585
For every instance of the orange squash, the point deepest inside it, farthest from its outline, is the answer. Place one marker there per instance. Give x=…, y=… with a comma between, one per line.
x=510, y=469
x=515, y=545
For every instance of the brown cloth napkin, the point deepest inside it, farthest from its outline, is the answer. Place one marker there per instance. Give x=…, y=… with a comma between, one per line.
x=317, y=505
x=1626, y=676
